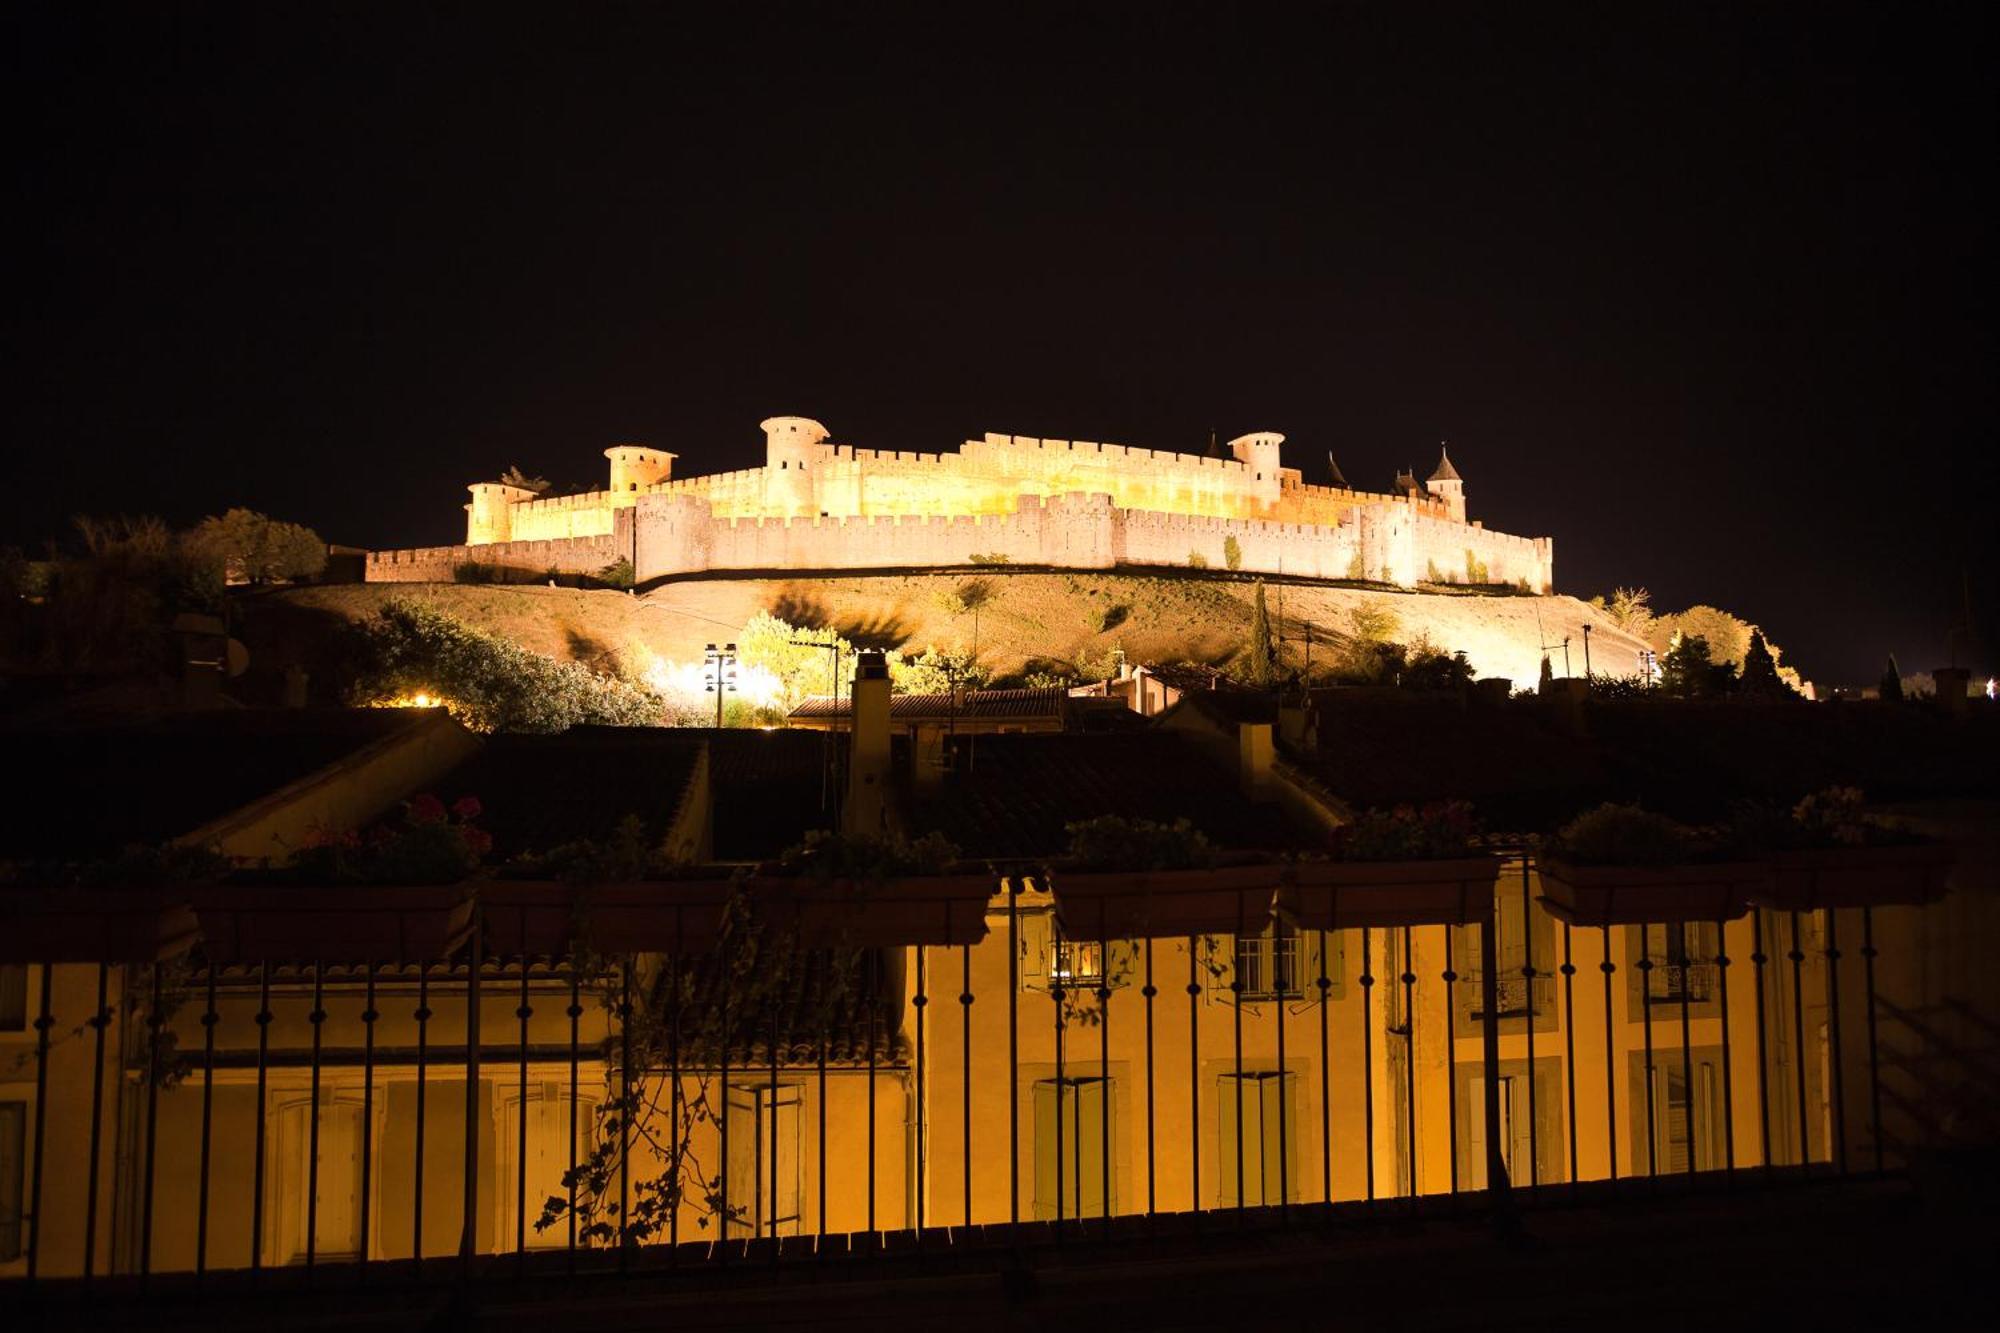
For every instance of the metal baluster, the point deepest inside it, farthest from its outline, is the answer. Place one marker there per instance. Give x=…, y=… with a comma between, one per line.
x=468, y=1242
x=1409, y=980
x=1451, y=1054
x=318, y=1020
x=1325, y=1070
x=257, y=1174
x=1687, y=1051
x=627, y=1101
x=1368, y=1058
x=209, y=1019
x=1056, y=992
x=154, y=1024
x=575, y=1015
x=1569, y=1048
x=1645, y=966
x=1236, y=1023
x=775, y=1247
x=44, y=1020
x=100, y=1021
x=1194, y=1081
x=1152, y=1200
x=920, y=1001
x=423, y=1017
x=1839, y=1089
x=522, y=1012
x=1609, y=969
x=1728, y=1071
x=1797, y=954
x=965, y=1068
x=1013, y=1050
x=1757, y=960
x=1499, y=1188
x=1874, y=1063
x=1103, y=1066
x=1528, y=1024
x=821, y=1238
x=368, y=1017
x=874, y=989
x=676, y=1099
x=1278, y=996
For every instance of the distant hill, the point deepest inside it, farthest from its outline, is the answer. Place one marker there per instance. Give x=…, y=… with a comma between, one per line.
x=1021, y=619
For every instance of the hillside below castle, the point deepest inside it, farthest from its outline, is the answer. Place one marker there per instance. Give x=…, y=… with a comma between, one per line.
x=818, y=506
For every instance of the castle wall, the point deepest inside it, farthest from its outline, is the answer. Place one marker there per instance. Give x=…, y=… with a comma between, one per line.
x=516, y=562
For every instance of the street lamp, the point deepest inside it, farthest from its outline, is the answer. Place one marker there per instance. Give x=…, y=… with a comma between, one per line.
x=719, y=665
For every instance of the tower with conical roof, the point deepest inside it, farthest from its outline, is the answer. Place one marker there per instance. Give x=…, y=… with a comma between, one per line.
x=1447, y=485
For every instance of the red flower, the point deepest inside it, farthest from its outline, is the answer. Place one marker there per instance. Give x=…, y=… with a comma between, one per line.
x=477, y=840
x=466, y=807
x=426, y=809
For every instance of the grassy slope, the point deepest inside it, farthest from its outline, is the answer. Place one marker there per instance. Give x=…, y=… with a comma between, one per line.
x=1027, y=616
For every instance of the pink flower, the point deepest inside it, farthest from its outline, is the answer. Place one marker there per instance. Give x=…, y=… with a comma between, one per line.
x=466, y=807
x=427, y=809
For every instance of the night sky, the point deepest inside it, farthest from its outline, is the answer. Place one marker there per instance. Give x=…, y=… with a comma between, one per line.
x=1703, y=294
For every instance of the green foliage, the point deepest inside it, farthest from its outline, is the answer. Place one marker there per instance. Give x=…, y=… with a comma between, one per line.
x=513, y=476
x=1548, y=673
x=257, y=549
x=1372, y=622
x=1630, y=609
x=991, y=558
x=1108, y=617
x=103, y=610
x=937, y=671
x=1440, y=831
x=1232, y=552
x=1196, y=560
x=617, y=574
x=796, y=654
x=475, y=571
x=1622, y=835
x=1263, y=670
x=857, y=856
x=423, y=843
x=487, y=682
x=1428, y=668
x=1891, y=688
x=1111, y=842
x=1357, y=568
x=1760, y=671
x=1475, y=568
x=1686, y=671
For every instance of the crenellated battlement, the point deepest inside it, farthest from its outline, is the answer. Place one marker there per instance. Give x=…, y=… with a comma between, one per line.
x=823, y=505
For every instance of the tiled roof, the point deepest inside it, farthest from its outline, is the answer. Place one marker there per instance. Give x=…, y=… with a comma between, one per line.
x=1014, y=795
x=90, y=789
x=542, y=791
x=770, y=788
x=941, y=707
x=1445, y=471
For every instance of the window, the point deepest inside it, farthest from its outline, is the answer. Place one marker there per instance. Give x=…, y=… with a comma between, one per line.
x=1280, y=963
x=1683, y=956
x=1531, y=1156
x=1268, y=1141
x=336, y=1222
x=1075, y=1122
x=1077, y=962
x=1048, y=960
x=13, y=1153
x=763, y=1165
x=1686, y=1128
x=1522, y=938
x=549, y=1157
x=13, y=997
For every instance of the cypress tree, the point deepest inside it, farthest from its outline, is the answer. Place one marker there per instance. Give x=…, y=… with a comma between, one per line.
x=1263, y=671
x=1892, y=681
x=1760, y=669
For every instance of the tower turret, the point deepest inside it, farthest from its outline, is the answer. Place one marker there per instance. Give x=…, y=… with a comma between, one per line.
x=490, y=516
x=1447, y=485
x=1258, y=451
x=790, y=444
x=634, y=467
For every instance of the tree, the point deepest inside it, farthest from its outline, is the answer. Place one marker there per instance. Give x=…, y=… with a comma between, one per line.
x=1892, y=681
x=1263, y=670
x=1630, y=609
x=1548, y=676
x=1232, y=553
x=936, y=671
x=257, y=549
x=1686, y=670
x=796, y=654
x=1760, y=670
x=513, y=476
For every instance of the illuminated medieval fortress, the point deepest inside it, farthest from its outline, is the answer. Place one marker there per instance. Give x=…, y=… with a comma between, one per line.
x=1004, y=499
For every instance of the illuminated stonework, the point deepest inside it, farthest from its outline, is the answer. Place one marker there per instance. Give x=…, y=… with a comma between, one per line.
x=818, y=505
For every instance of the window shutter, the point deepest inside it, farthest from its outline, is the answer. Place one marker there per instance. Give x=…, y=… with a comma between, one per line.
x=1090, y=1125
x=1037, y=936
x=1048, y=1110
x=740, y=1172
x=1228, y=1095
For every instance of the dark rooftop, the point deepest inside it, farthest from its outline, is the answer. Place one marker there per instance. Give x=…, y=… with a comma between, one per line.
x=94, y=788
x=1015, y=795
x=942, y=707
x=770, y=789
x=542, y=791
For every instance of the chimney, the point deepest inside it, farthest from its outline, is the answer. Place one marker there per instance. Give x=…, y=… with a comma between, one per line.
x=868, y=761
x=1253, y=759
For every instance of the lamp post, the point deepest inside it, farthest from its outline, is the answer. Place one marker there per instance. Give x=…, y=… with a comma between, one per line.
x=720, y=664
x=1586, y=650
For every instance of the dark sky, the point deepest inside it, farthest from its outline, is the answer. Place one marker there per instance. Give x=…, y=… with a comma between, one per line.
x=1704, y=294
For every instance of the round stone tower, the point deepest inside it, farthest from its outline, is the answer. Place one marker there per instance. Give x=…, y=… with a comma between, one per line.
x=789, y=446
x=634, y=467
x=1258, y=451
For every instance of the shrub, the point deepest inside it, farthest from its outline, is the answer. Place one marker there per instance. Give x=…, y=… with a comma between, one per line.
x=1108, y=617
x=1232, y=553
x=1196, y=560
x=937, y=671
x=1475, y=568
x=424, y=843
x=991, y=558
x=255, y=548
x=1440, y=831
x=1357, y=568
x=1112, y=842
x=488, y=683
x=617, y=574
x=826, y=855
x=1622, y=835
x=475, y=571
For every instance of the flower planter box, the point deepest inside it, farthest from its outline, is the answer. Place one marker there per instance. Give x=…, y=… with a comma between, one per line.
x=1164, y=904
x=1341, y=895
x=1909, y=875
x=68, y=924
x=548, y=917
x=916, y=909
x=350, y=923
x=1639, y=895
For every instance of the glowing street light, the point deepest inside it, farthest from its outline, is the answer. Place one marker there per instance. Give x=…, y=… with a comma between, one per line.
x=720, y=667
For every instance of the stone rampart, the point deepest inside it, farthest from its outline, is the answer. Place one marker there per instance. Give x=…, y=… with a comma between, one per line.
x=511, y=562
